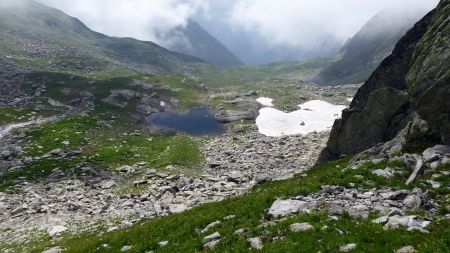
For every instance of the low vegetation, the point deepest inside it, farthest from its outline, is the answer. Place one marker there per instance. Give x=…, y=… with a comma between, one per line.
x=250, y=212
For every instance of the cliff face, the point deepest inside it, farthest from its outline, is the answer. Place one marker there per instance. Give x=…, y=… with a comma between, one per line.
x=415, y=78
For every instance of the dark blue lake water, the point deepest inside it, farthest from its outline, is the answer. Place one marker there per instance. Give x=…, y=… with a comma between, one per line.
x=196, y=121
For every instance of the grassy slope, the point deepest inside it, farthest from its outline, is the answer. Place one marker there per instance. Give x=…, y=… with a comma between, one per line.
x=180, y=229
x=239, y=75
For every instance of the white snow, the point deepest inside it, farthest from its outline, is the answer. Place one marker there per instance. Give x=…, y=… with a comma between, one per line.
x=349, y=99
x=265, y=101
x=315, y=115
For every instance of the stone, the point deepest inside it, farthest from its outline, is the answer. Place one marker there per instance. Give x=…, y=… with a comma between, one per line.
x=435, y=153
x=211, y=245
x=229, y=217
x=406, y=249
x=163, y=244
x=56, y=152
x=287, y=207
x=5, y=154
x=417, y=170
x=211, y=225
x=53, y=250
x=56, y=230
x=212, y=237
x=256, y=243
x=126, y=248
x=125, y=169
x=298, y=227
x=399, y=195
x=177, y=208
x=386, y=173
x=348, y=247
x=412, y=202
x=381, y=220
x=239, y=232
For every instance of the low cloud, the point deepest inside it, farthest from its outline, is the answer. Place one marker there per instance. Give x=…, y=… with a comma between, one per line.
x=305, y=23
x=140, y=19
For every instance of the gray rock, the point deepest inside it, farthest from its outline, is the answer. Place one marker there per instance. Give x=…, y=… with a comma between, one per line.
x=163, y=244
x=412, y=202
x=386, y=173
x=240, y=232
x=288, y=207
x=56, y=230
x=297, y=227
x=212, y=237
x=256, y=243
x=417, y=169
x=53, y=250
x=348, y=247
x=406, y=249
x=211, y=225
x=126, y=248
x=435, y=153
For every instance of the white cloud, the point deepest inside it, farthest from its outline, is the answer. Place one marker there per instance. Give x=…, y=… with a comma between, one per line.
x=140, y=19
x=306, y=23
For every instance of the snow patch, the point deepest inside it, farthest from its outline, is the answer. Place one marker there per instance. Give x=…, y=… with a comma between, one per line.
x=314, y=116
x=349, y=99
x=265, y=101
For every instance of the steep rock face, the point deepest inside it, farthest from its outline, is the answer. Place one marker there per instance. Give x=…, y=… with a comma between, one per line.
x=415, y=78
x=362, y=54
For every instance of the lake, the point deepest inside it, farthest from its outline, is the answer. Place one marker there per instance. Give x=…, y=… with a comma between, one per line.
x=197, y=121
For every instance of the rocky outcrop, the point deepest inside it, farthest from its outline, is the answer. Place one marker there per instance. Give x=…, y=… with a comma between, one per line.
x=413, y=79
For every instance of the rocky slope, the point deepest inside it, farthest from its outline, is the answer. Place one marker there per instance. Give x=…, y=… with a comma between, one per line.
x=412, y=83
x=196, y=41
x=34, y=35
x=362, y=54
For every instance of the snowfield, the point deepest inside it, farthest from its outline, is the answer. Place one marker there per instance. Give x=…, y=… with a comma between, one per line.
x=265, y=101
x=315, y=115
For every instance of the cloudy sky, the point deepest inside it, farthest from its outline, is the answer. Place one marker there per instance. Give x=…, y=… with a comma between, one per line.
x=289, y=23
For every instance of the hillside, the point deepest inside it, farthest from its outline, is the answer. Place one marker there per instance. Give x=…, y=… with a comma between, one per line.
x=412, y=84
x=44, y=38
x=362, y=54
x=196, y=41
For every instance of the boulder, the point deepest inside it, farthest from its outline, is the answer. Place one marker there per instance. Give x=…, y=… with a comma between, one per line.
x=256, y=243
x=406, y=249
x=297, y=227
x=56, y=230
x=348, y=247
x=288, y=207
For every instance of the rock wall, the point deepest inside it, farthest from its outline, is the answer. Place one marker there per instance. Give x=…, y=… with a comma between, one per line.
x=414, y=78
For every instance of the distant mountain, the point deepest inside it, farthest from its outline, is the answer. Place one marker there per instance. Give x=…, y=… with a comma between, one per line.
x=44, y=38
x=406, y=97
x=196, y=41
x=375, y=41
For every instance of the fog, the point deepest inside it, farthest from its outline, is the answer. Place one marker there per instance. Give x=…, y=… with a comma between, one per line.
x=282, y=29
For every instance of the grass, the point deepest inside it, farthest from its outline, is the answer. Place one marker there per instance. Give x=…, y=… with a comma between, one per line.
x=17, y=115
x=251, y=210
x=187, y=91
x=280, y=70
x=102, y=147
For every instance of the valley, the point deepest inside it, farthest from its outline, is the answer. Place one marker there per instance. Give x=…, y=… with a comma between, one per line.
x=111, y=144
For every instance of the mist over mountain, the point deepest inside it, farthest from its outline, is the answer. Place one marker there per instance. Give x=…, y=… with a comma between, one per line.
x=44, y=38
x=375, y=41
x=192, y=39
